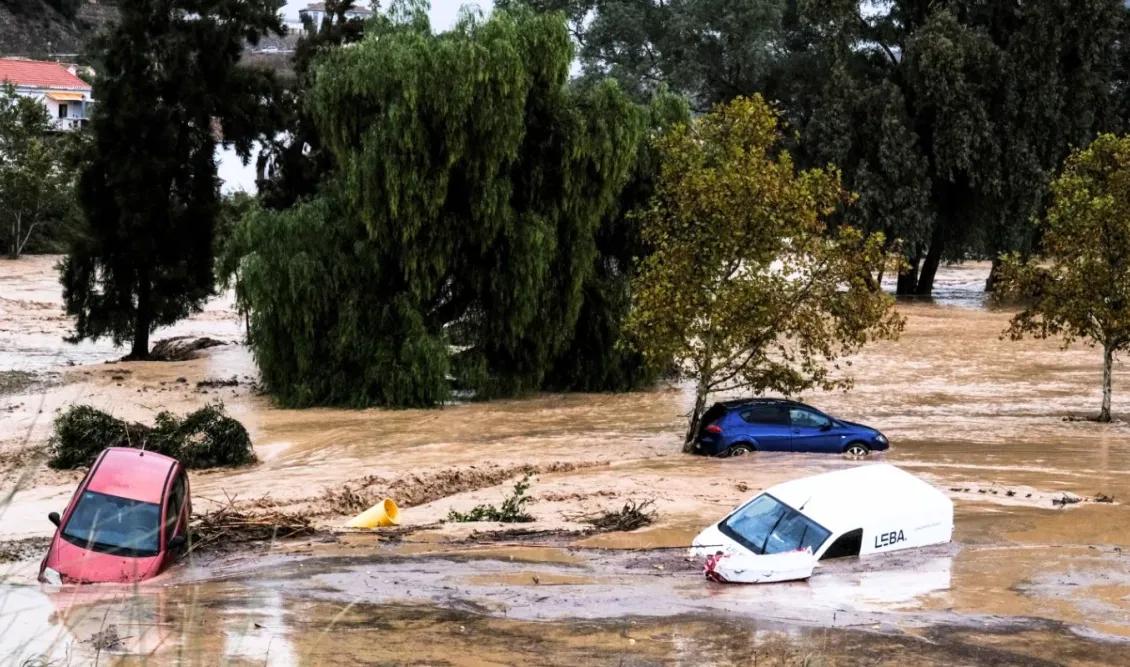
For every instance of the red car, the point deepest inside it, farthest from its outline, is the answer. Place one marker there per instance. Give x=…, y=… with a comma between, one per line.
x=127, y=521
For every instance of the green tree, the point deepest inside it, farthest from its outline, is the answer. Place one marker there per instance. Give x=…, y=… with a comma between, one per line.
x=460, y=227
x=746, y=288
x=597, y=357
x=948, y=117
x=168, y=81
x=36, y=185
x=294, y=162
x=708, y=50
x=1080, y=288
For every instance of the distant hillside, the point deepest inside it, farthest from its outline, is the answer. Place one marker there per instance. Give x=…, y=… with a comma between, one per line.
x=37, y=28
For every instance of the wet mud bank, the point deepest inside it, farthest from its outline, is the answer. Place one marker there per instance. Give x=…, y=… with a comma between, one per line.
x=534, y=603
x=1027, y=580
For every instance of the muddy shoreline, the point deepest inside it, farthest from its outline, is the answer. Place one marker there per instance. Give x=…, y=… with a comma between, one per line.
x=981, y=418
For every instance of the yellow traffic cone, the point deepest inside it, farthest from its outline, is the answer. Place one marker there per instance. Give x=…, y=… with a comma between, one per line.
x=384, y=513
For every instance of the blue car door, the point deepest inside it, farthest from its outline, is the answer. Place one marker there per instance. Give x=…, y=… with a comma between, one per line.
x=768, y=426
x=812, y=431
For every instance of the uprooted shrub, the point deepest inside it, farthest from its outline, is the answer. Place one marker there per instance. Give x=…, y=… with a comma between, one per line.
x=631, y=516
x=510, y=512
x=205, y=438
x=81, y=432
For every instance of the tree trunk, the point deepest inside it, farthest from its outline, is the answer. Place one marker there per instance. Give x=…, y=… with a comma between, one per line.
x=994, y=275
x=908, y=278
x=877, y=286
x=141, y=321
x=696, y=416
x=1108, y=363
x=925, y=285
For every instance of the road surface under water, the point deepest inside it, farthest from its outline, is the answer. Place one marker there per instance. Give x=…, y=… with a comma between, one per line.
x=980, y=417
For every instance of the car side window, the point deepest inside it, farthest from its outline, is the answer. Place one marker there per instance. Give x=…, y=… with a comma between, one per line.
x=803, y=417
x=764, y=414
x=176, y=503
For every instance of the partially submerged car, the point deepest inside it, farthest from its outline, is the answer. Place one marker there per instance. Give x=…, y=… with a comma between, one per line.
x=736, y=428
x=783, y=533
x=127, y=521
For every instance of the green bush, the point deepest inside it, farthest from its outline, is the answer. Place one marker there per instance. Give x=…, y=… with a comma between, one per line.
x=512, y=510
x=206, y=438
x=82, y=432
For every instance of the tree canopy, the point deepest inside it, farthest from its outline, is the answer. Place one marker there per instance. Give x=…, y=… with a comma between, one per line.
x=168, y=84
x=947, y=117
x=293, y=162
x=746, y=287
x=460, y=232
x=1080, y=288
x=36, y=181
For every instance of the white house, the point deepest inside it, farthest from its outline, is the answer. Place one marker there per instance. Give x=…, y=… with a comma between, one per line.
x=65, y=96
x=317, y=11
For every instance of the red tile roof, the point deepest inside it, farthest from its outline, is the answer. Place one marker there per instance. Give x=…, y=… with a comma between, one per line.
x=37, y=73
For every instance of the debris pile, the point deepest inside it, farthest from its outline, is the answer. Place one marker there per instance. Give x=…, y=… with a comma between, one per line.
x=229, y=526
x=419, y=489
x=216, y=383
x=1066, y=499
x=631, y=516
x=28, y=548
x=205, y=438
x=107, y=639
x=181, y=348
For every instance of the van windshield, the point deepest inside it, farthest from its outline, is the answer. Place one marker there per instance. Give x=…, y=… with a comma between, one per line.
x=765, y=525
x=110, y=524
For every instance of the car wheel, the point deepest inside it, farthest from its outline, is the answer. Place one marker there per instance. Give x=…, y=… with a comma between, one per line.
x=740, y=449
x=857, y=450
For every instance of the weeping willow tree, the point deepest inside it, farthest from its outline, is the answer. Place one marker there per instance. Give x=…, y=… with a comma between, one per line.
x=459, y=232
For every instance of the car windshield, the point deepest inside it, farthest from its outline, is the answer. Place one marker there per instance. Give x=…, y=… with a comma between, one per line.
x=765, y=525
x=114, y=525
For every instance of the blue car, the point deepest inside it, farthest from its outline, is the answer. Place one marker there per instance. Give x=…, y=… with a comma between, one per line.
x=736, y=428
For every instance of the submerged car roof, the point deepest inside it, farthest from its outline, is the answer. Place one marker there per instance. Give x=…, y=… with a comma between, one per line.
x=739, y=402
x=132, y=473
x=865, y=495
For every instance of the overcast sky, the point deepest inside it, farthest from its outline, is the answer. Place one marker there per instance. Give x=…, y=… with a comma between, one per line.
x=443, y=11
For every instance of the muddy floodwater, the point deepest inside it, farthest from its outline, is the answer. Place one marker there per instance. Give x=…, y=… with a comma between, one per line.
x=991, y=422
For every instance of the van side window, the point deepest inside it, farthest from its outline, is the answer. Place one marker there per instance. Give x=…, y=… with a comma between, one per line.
x=176, y=503
x=764, y=414
x=848, y=544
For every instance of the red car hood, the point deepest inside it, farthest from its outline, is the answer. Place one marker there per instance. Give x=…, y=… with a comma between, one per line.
x=79, y=565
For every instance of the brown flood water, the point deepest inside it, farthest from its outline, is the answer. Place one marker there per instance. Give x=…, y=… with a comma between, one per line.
x=980, y=417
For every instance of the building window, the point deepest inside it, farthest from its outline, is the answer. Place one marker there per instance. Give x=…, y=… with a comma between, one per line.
x=62, y=111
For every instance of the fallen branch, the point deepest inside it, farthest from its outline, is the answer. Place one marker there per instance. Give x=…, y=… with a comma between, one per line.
x=631, y=516
x=227, y=525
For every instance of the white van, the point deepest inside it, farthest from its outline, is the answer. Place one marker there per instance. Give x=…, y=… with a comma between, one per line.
x=781, y=534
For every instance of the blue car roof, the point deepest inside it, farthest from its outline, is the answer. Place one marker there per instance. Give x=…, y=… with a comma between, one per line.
x=742, y=402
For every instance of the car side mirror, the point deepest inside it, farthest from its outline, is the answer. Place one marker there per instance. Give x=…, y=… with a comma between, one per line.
x=177, y=543
x=55, y=519
x=826, y=426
